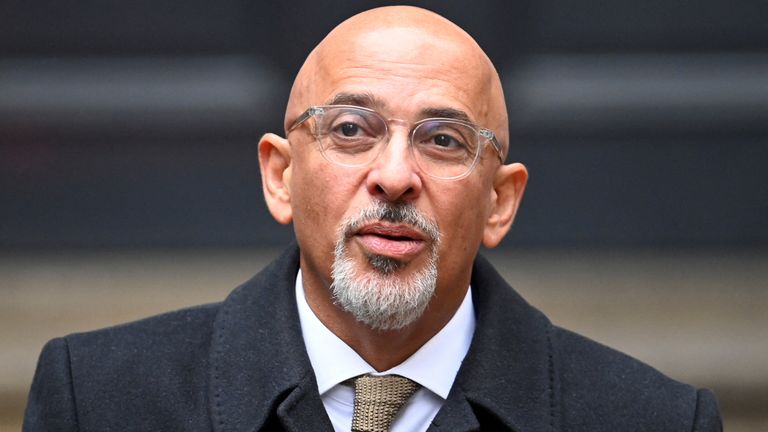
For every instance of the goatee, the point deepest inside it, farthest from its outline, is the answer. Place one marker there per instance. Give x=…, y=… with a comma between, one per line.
x=380, y=298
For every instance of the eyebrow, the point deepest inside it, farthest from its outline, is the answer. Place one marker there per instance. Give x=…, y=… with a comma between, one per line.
x=449, y=113
x=368, y=100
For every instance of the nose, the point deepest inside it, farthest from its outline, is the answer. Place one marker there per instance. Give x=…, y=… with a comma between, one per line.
x=394, y=175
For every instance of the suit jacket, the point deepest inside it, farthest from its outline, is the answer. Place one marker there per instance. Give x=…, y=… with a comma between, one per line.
x=241, y=365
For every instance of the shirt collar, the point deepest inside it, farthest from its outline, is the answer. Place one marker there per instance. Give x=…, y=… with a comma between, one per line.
x=334, y=362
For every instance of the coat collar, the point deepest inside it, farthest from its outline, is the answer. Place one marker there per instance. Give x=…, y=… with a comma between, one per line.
x=507, y=377
x=259, y=365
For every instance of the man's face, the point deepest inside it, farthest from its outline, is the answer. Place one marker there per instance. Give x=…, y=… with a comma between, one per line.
x=408, y=75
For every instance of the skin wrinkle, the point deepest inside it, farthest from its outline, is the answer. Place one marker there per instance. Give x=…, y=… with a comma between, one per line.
x=411, y=61
x=394, y=75
x=368, y=100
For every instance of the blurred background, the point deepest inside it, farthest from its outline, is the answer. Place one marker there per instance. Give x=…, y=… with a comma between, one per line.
x=129, y=180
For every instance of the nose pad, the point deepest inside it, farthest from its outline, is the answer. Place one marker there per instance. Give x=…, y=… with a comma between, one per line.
x=395, y=175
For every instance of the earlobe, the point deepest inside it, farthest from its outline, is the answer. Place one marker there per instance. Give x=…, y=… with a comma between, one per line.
x=508, y=187
x=275, y=165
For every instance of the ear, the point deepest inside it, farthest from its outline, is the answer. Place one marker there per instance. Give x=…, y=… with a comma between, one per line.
x=508, y=187
x=275, y=165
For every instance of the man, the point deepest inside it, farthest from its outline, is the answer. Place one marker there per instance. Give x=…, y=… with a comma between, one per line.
x=392, y=173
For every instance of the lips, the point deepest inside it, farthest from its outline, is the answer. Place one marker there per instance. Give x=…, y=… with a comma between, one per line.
x=393, y=240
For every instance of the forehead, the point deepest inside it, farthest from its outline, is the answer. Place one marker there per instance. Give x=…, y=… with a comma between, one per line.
x=407, y=70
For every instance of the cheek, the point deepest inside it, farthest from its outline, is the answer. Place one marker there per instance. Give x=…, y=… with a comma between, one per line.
x=465, y=212
x=321, y=196
x=469, y=228
x=462, y=232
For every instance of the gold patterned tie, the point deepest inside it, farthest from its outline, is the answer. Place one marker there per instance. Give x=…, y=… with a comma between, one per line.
x=378, y=399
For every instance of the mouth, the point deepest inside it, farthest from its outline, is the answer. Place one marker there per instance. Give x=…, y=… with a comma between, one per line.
x=391, y=240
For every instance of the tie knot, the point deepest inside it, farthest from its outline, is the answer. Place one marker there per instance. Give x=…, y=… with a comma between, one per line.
x=378, y=399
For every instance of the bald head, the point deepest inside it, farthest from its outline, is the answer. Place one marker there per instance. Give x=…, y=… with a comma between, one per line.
x=409, y=51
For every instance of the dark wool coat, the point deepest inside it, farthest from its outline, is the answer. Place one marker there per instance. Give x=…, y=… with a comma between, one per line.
x=240, y=365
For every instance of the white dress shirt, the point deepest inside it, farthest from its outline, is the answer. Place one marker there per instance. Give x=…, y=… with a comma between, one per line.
x=433, y=366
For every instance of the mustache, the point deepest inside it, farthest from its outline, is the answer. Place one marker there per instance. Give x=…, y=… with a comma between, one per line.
x=403, y=213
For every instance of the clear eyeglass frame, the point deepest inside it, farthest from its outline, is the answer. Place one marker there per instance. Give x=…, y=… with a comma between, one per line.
x=482, y=135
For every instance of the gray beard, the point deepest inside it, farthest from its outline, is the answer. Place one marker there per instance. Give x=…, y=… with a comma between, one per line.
x=379, y=298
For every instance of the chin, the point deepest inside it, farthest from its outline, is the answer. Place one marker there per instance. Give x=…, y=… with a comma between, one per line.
x=381, y=295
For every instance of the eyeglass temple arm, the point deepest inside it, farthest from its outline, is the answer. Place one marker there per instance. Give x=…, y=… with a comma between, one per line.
x=305, y=116
x=491, y=137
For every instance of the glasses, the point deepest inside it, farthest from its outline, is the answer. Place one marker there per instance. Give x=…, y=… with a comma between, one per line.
x=353, y=136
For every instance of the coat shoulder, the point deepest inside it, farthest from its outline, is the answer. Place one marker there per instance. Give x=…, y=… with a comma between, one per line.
x=185, y=330
x=168, y=372
x=144, y=375
x=602, y=386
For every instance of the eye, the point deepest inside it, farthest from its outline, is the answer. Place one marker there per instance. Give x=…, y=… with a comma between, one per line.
x=349, y=125
x=350, y=132
x=443, y=140
x=349, y=129
x=442, y=137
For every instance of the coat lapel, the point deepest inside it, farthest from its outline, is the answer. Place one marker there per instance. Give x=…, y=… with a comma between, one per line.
x=507, y=378
x=259, y=370
x=457, y=415
x=302, y=410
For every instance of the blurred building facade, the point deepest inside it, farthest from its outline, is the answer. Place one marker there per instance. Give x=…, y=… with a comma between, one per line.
x=644, y=124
